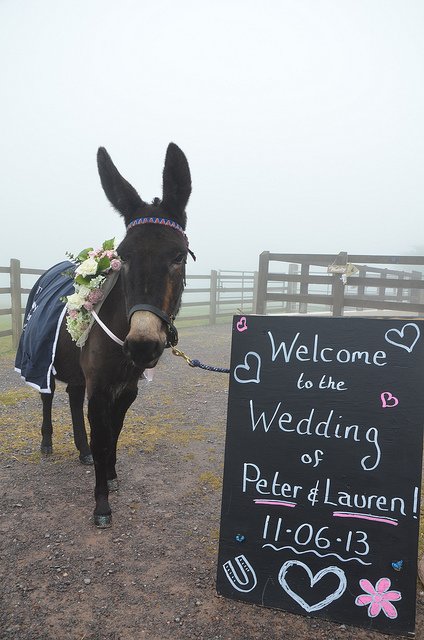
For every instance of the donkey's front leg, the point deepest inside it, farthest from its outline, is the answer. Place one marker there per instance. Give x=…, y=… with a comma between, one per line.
x=121, y=406
x=100, y=417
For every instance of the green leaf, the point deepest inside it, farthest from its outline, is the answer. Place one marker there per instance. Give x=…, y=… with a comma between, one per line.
x=83, y=255
x=108, y=245
x=81, y=280
x=103, y=264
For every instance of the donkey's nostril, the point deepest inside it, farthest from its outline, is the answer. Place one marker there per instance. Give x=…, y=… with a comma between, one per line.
x=143, y=352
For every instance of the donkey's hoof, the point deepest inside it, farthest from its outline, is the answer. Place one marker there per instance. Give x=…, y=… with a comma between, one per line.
x=87, y=459
x=113, y=484
x=103, y=522
x=46, y=449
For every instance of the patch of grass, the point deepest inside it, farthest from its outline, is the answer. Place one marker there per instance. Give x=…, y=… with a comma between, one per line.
x=20, y=438
x=148, y=432
x=6, y=346
x=211, y=479
x=213, y=543
x=14, y=396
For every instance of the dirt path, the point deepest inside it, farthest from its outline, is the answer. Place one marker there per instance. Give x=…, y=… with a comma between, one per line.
x=152, y=575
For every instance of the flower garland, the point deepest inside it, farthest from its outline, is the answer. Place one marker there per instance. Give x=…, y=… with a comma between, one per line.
x=89, y=278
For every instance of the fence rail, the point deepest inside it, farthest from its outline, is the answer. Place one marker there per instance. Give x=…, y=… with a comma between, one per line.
x=342, y=282
x=305, y=284
x=219, y=295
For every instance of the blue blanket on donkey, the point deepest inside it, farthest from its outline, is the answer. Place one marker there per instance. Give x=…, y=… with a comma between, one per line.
x=43, y=316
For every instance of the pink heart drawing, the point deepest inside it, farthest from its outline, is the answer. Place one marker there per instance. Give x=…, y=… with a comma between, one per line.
x=388, y=400
x=242, y=324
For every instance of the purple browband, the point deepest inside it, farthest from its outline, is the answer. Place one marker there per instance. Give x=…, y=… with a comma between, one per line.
x=164, y=221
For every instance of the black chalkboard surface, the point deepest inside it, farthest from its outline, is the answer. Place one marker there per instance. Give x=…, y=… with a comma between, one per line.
x=322, y=477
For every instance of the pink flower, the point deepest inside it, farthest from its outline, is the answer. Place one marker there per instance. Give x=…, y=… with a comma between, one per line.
x=72, y=313
x=88, y=305
x=378, y=598
x=115, y=264
x=95, y=296
x=110, y=253
x=97, y=253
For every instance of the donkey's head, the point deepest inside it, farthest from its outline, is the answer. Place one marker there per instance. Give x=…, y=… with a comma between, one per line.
x=153, y=253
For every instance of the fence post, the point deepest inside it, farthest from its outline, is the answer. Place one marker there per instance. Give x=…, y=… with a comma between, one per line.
x=304, y=287
x=262, y=283
x=16, y=304
x=361, y=287
x=338, y=295
x=415, y=293
x=212, y=299
x=255, y=292
x=292, y=287
x=400, y=286
x=382, y=289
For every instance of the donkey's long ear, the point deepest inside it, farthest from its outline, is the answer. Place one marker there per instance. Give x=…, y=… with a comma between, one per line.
x=119, y=192
x=176, y=184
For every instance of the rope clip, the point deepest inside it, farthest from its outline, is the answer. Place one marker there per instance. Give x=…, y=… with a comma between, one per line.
x=181, y=354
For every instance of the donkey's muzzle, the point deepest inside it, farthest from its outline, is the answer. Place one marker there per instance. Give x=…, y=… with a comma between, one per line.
x=143, y=353
x=171, y=329
x=146, y=339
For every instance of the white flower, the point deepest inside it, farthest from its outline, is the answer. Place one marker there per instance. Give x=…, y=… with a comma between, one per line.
x=82, y=290
x=97, y=282
x=87, y=268
x=77, y=326
x=75, y=301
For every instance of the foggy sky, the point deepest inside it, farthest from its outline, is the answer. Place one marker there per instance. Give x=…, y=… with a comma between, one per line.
x=302, y=121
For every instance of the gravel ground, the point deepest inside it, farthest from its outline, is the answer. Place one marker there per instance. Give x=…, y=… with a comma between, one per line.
x=152, y=575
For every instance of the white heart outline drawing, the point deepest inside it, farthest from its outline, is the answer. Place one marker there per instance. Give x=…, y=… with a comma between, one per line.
x=313, y=580
x=247, y=367
x=401, y=333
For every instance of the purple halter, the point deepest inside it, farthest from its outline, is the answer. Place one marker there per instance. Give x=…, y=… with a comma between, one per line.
x=169, y=320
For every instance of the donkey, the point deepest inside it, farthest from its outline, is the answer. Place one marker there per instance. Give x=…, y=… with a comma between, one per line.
x=139, y=311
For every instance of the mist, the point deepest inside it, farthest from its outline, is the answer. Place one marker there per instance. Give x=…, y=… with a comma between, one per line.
x=302, y=122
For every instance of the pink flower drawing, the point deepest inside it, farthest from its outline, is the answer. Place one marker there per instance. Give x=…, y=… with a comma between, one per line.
x=378, y=598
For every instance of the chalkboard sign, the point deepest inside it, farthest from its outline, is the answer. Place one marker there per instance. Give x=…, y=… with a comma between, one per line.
x=322, y=477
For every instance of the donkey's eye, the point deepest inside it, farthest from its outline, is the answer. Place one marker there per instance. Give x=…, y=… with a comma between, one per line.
x=180, y=258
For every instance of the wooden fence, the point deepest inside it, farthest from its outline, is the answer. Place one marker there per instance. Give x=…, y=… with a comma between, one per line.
x=217, y=296
x=16, y=291
x=311, y=281
x=223, y=293
x=340, y=282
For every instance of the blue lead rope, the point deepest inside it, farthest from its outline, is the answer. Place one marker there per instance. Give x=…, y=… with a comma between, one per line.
x=208, y=367
x=197, y=363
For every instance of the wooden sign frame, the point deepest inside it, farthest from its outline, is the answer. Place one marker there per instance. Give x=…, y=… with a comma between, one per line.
x=322, y=474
